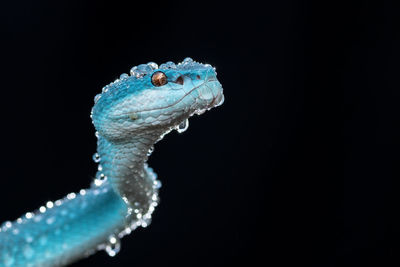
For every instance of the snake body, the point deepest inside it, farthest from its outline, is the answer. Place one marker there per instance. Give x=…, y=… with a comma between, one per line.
x=130, y=116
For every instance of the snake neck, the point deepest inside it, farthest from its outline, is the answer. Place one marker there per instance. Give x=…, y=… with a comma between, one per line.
x=124, y=165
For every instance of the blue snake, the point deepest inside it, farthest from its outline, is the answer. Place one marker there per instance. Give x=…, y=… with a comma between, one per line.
x=130, y=115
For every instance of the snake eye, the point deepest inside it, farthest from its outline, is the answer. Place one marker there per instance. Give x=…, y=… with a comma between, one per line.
x=159, y=78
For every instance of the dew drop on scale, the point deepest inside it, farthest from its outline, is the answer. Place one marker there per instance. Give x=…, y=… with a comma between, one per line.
x=187, y=60
x=96, y=98
x=141, y=70
x=100, y=179
x=183, y=126
x=157, y=184
x=151, y=149
x=105, y=88
x=113, y=246
x=168, y=65
x=144, y=69
x=96, y=157
x=124, y=76
x=153, y=65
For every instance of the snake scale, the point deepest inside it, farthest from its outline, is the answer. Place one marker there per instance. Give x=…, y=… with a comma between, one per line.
x=130, y=115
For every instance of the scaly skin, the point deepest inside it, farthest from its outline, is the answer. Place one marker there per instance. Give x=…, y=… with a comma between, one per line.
x=130, y=115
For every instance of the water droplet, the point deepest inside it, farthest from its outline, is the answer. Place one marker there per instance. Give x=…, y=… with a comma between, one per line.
x=146, y=220
x=7, y=224
x=82, y=192
x=144, y=223
x=168, y=65
x=133, y=71
x=96, y=98
x=151, y=149
x=144, y=69
x=123, y=76
x=151, y=208
x=96, y=157
x=71, y=195
x=221, y=101
x=153, y=65
x=99, y=168
x=100, y=178
x=128, y=230
x=183, y=126
x=113, y=240
x=157, y=184
x=141, y=70
x=29, y=215
x=105, y=88
x=49, y=204
x=187, y=60
x=113, y=246
x=42, y=209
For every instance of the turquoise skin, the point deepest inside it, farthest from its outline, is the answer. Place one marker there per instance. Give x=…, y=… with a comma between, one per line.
x=130, y=116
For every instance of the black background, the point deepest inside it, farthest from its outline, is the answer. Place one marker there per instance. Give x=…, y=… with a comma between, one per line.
x=299, y=167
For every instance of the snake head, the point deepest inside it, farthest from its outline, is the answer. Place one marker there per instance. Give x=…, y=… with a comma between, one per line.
x=156, y=98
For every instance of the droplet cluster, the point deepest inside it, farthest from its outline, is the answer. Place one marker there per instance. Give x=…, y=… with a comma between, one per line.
x=137, y=214
x=183, y=126
x=140, y=71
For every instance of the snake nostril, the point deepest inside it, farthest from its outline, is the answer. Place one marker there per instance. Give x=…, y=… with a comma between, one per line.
x=179, y=80
x=198, y=77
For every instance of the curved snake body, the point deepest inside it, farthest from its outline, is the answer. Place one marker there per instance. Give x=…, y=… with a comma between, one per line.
x=130, y=115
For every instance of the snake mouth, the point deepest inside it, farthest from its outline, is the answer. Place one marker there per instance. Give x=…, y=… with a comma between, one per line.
x=211, y=79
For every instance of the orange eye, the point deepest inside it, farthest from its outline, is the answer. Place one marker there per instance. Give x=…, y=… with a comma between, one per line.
x=159, y=78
